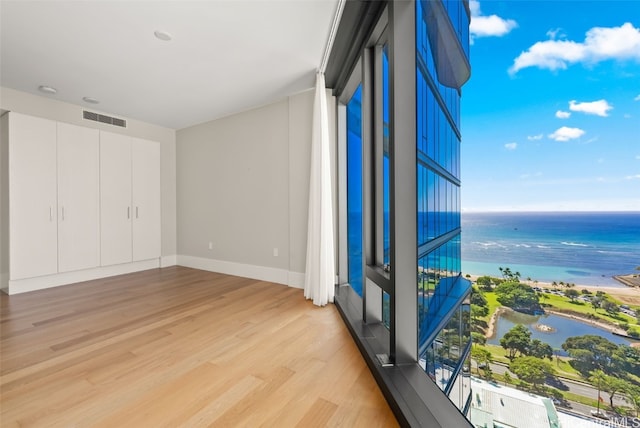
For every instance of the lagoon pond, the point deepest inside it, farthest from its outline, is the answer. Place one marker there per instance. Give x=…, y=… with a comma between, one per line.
x=562, y=328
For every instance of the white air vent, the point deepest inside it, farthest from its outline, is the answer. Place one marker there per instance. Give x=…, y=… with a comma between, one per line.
x=89, y=115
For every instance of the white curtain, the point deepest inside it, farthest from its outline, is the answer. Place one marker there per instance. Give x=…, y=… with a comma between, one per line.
x=320, y=271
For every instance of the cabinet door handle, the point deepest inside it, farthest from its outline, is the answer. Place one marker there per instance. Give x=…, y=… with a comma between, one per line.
x=128, y=213
x=50, y=213
x=137, y=212
x=62, y=213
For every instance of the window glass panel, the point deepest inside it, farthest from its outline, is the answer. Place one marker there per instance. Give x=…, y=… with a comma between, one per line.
x=354, y=190
x=386, y=309
x=385, y=154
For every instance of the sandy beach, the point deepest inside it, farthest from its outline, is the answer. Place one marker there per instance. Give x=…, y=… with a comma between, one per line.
x=628, y=295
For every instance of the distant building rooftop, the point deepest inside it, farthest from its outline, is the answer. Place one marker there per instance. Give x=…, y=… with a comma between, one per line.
x=493, y=405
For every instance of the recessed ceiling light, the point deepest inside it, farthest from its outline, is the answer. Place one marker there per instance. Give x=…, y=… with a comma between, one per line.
x=90, y=100
x=47, y=89
x=162, y=35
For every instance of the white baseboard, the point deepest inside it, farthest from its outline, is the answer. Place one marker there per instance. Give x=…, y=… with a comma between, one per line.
x=49, y=281
x=166, y=261
x=262, y=273
x=296, y=280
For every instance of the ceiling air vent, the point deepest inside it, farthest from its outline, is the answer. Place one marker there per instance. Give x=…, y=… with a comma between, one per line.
x=89, y=115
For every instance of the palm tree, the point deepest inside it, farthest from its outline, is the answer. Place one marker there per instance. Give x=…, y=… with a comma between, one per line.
x=507, y=378
x=597, y=379
x=634, y=398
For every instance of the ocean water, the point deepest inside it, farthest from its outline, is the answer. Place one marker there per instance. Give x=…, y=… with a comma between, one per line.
x=581, y=248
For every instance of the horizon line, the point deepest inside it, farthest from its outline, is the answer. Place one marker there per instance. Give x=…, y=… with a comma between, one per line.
x=497, y=210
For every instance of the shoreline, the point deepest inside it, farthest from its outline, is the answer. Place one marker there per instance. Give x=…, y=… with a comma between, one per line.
x=626, y=294
x=600, y=324
x=493, y=321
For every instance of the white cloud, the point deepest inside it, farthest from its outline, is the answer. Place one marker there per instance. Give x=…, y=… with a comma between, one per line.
x=562, y=114
x=599, y=108
x=638, y=157
x=535, y=137
x=487, y=26
x=637, y=98
x=553, y=34
x=566, y=134
x=511, y=146
x=633, y=177
x=627, y=116
x=600, y=44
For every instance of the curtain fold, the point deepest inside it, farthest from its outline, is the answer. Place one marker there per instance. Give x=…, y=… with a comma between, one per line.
x=320, y=267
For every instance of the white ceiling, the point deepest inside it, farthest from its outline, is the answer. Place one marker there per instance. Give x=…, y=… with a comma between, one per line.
x=225, y=56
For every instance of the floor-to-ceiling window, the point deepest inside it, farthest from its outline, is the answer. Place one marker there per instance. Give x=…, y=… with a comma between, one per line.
x=402, y=206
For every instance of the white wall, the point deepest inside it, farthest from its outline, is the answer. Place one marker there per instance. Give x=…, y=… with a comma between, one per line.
x=12, y=100
x=242, y=184
x=4, y=204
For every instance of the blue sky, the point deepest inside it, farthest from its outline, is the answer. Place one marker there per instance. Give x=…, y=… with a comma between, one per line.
x=551, y=114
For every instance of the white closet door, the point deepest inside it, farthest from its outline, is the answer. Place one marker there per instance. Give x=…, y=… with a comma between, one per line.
x=115, y=196
x=146, y=199
x=78, y=198
x=32, y=197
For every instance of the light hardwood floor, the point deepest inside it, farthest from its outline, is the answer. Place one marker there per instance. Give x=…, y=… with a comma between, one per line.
x=179, y=347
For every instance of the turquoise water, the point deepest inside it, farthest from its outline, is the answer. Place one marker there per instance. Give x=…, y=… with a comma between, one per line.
x=581, y=248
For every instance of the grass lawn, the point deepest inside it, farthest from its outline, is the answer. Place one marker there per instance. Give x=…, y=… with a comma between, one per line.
x=562, y=303
x=492, y=303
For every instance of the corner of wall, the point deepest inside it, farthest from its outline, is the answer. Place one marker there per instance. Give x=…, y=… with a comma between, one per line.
x=4, y=203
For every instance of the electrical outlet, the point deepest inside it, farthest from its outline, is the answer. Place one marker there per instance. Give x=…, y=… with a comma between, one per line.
x=210, y=245
x=275, y=252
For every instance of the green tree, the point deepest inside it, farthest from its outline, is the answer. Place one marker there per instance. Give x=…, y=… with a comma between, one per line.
x=540, y=349
x=478, y=312
x=597, y=379
x=596, y=302
x=478, y=338
x=484, y=282
x=633, y=395
x=610, y=307
x=482, y=358
x=477, y=298
x=517, y=296
x=531, y=370
x=613, y=385
x=516, y=341
x=590, y=352
x=572, y=294
x=509, y=275
x=626, y=359
x=507, y=378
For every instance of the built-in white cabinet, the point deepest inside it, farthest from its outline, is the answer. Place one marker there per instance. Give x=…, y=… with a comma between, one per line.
x=115, y=195
x=130, y=195
x=145, y=187
x=78, y=198
x=83, y=203
x=33, y=205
